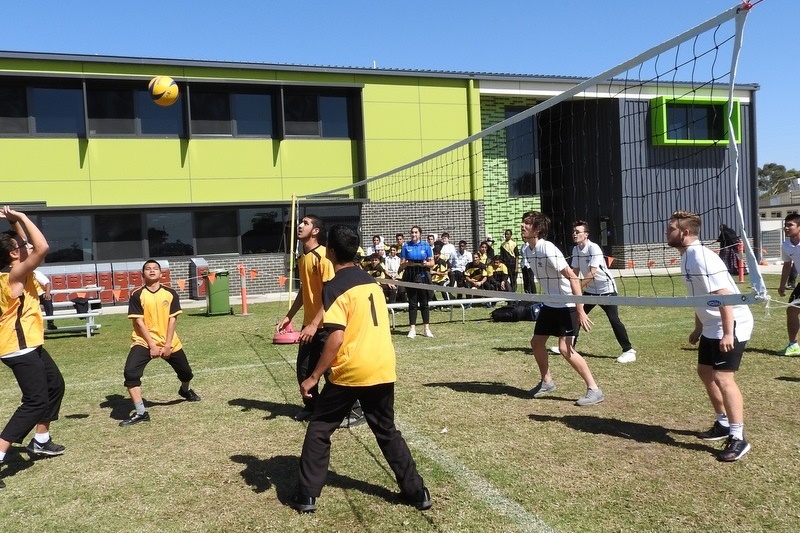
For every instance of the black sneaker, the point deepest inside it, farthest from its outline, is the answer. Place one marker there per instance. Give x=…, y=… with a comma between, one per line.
x=135, y=419
x=304, y=414
x=51, y=325
x=734, y=450
x=189, y=395
x=304, y=504
x=49, y=448
x=717, y=432
x=421, y=500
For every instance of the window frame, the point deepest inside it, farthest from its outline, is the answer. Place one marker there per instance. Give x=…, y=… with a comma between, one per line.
x=660, y=126
x=509, y=112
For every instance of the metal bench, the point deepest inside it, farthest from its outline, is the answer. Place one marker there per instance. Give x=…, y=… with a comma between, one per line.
x=463, y=303
x=90, y=325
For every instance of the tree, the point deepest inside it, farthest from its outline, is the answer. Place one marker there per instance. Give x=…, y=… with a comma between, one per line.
x=774, y=179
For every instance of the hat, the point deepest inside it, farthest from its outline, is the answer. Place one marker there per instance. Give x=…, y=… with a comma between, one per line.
x=489, y=238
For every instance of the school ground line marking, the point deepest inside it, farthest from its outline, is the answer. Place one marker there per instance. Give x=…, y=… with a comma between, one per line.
x=481, y=489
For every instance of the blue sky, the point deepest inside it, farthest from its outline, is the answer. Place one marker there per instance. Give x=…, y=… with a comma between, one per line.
x=564, y=37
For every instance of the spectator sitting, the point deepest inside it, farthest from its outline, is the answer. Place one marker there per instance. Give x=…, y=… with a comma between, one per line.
x=497, y=273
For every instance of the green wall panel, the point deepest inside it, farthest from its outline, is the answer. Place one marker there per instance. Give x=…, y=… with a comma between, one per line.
x=150, y=191
x=391, y=121
x=120, y=159
x=43, y=160
x=221, y=158
x=236, y=190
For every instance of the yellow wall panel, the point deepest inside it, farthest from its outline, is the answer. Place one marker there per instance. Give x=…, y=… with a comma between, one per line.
x=150, y=192
x=321, y=159
x=391, y=121
x=443, y=122
x=233, y=189
x=243, y=158
x=121, y=159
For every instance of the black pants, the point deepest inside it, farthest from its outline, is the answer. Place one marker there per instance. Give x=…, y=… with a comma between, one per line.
x=612, y=312
x=47, y=304
x=528, y=281
x=418, y=298
x=139, y=357
x=42, y=389
x=307, y=358
x=333, y=405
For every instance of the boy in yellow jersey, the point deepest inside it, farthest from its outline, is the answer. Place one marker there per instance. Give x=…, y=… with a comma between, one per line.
x=314, y=269
x=361, y=359
x=21, y=338
x=154, y=310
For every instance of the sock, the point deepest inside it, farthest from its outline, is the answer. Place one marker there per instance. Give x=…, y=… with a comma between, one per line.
x=737, y=431
x=42, y=438
x=722, y=418
x=139, y=406
x=2, y=456
x=185, y=387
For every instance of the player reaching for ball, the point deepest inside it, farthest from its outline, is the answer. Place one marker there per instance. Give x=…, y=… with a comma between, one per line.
x=154, y=310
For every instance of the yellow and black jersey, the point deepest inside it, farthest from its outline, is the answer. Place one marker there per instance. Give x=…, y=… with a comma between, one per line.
x=21, y=326
x=377, y=271
x=475, y=272
x=439, y=271
x=315, y=269
x=499, y=272
x=156, y=308
x=355, y=303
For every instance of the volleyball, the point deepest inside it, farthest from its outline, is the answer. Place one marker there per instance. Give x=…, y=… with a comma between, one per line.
x=163, y=90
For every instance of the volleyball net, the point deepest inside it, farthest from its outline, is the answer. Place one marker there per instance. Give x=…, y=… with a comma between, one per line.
x=661, y=132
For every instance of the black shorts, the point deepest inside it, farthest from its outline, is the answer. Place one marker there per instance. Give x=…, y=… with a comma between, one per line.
x=557, y=322
x=795, y=294
x=708, y=353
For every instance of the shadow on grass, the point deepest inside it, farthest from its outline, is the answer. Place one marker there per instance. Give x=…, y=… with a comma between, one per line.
x=121, y=406
x=644, y=433
x=273, y=409
x=281, y=473
x=16, y=462
x=484, y=387
x=788, y=378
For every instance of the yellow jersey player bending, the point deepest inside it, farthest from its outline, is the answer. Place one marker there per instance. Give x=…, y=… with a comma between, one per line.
x=154, y=310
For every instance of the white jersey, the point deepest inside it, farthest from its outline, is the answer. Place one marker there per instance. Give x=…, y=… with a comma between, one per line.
x=547, y=262
x=592, y=256
x=448, y=250
x=791, y=252
x=704, y=272
x=459, y=261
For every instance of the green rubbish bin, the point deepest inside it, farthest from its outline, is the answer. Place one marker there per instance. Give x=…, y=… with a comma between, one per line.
x=217, y=294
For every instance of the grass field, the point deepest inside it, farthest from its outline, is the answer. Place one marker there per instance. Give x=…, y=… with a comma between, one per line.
x=493, y=458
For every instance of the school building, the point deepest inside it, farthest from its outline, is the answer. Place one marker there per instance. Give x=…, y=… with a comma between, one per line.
x=112, y=178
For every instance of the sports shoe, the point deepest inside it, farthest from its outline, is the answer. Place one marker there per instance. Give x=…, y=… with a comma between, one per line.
x=592, y=397
x=543, y=388
x=49, y=448
x=135, y=419
x=628, y=356
x=792, y=349
x=421, y=500
x=412, y=333
x=734, y=450
x=303, y=414
x=190, y=395
x=555, y=350
x=717, y=432
x=352, y=420
x=428, y=333
x=2, y=485
x=304, y=504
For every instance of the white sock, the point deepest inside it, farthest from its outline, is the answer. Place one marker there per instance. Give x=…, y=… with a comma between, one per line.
x=2, y=456
x=722, y=418
x=139, y=406
x=737, y=431
x=41, y=438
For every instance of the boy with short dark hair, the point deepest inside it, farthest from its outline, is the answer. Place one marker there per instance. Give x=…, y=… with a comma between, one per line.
x=154, y=310
x=361, y=359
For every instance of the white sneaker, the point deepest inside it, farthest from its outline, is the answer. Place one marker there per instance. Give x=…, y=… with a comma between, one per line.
x=428, y=333
x=412, y=334
x=554, y=349
x=628, y=356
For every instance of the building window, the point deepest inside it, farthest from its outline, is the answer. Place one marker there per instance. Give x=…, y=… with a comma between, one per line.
x=156, y=120
x=523, y=178
x=693, y=121
x=210, y=112
x=118, y=236
x=57, y=111
x=169, y=234
x=252, y=114
x=69, y=237
x=216, y=232
x=310, y=113
x=13, y=110
x=262, y=230
x=110, y=111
